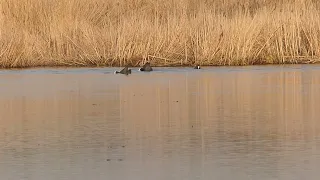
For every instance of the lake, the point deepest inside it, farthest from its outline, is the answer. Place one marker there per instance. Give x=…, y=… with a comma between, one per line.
x=253, y=122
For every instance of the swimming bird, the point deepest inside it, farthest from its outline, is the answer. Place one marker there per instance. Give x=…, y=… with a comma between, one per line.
x=125, y=71
x=146, y=67
x=197, y=67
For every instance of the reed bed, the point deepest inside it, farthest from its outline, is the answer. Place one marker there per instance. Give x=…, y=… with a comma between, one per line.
x=165, y=32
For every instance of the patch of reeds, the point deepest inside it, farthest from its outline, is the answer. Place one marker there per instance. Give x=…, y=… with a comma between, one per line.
x=166, y=32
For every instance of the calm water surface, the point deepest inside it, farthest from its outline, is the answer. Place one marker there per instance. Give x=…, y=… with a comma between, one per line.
x=259, y=122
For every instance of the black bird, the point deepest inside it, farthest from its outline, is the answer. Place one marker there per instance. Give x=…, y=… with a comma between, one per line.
x=146, y=67
x=125, y=71
x=197, y=67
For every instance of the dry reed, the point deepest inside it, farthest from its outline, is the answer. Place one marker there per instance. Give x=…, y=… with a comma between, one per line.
x=167, y=32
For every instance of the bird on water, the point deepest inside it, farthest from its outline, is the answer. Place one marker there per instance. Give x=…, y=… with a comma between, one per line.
x=146, y=67
x=197, y=67
x=125, y=71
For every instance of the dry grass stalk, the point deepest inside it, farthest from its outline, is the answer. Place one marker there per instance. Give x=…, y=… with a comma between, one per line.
x=177, y=32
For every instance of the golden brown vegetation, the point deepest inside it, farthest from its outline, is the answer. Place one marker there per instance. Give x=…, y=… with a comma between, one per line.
x=167, y=32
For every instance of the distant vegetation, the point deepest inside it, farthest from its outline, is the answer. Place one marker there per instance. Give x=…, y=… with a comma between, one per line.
x=167, y=32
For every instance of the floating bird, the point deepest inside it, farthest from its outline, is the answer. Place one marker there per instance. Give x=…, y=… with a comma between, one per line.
x=197, y=67
x=125, y=71
x=146, y=67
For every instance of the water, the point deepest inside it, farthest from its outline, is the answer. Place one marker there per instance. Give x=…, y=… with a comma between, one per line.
x=258, y=122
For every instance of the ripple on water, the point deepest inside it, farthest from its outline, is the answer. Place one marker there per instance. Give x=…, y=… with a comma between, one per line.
x=257, y=122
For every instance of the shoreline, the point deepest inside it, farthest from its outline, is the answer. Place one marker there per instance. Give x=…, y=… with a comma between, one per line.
x=153, y=65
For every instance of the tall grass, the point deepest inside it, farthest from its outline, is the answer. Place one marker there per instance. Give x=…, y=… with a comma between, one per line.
x=165, y=32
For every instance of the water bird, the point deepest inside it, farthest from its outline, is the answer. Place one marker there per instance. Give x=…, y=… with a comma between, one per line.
x=197, y=67
x=125, y=71
x=146, y=67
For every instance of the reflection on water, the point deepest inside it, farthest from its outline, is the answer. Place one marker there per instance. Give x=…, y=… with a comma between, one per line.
x=252, y=124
